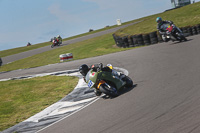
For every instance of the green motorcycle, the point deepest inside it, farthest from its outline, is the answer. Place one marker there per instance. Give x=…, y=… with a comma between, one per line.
x=108, y=83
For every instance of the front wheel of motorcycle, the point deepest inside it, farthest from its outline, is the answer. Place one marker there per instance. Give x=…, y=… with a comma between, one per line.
x=128, y=80
x=52, y=45
x=111, y=91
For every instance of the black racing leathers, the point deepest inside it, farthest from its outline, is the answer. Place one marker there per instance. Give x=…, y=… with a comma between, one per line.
x=162, y=31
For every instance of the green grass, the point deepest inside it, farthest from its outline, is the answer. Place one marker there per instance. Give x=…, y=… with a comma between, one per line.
x=8, y=52
x=21, y=99
x=186, y=16
x=22, y=49
x=85, y=49
x=33, y=95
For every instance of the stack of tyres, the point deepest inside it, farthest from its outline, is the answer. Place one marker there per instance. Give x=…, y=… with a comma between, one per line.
x=135, y=41
x=140, y=39
x=194, y=30
x=146, y=39
x=118, y=40
x=153, y=37
x=190, y=31
x=130, y=41
x=125, y=42
x=198, y=28
x=183, y=29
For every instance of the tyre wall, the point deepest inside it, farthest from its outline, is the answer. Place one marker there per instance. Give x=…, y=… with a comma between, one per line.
x=150, y=38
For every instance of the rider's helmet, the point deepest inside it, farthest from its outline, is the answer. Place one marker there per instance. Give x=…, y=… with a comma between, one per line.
x=110, y=66
x=58, y=36
x=158, y=20
x=83, y=69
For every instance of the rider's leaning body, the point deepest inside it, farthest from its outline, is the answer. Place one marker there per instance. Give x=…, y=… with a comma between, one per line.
x=160, y=24
x=59, y=39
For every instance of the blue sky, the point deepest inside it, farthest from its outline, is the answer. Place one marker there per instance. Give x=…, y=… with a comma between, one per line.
x=37, y=21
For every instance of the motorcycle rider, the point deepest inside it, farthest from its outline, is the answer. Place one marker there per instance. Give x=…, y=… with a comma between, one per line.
x=163, y=33
x=28, y=44
x=59, y=38
x=84, y=69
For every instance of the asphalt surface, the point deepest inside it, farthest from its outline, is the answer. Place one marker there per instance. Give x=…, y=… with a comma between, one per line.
x=165, y=100
x=12, y=58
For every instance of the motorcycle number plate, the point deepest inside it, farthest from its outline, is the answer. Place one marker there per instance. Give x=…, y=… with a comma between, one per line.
x=90, y=84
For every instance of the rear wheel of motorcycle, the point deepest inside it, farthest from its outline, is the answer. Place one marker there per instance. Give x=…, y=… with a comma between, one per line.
x=108, y=91
x=184, y=38
x=129, y=82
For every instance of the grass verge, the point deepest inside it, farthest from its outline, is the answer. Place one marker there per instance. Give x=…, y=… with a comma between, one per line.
x=8, y=52
x=85, y=49
x=185, y=16
x=188, y=15
x=21, y=99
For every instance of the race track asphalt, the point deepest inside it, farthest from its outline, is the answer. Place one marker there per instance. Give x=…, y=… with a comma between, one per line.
x=165, y=100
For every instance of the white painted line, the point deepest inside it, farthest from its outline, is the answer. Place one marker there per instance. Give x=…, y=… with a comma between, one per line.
x=70, y=114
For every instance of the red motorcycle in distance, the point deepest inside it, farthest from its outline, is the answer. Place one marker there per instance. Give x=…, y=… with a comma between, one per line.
x=174, y=33
x=55, y=42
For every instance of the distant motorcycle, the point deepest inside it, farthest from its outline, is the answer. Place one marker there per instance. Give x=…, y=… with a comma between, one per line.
x=173, y=33
x=55, y=42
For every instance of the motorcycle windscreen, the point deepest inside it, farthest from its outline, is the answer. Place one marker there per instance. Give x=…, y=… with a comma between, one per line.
x=91, y=78
x=87, y=77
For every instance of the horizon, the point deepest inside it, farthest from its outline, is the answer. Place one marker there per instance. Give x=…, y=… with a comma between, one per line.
x=38, y=21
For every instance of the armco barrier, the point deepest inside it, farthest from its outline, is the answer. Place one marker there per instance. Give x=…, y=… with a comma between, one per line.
x=150, y=38
x=64, y=57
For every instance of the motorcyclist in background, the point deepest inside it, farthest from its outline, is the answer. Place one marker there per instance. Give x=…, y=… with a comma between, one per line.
x=162, y=31
x=28, y=44
x=84, y=69
x=59, y=38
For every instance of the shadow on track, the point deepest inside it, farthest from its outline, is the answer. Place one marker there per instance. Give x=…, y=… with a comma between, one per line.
x=121, y=92
x=174, y=43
